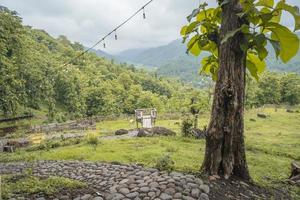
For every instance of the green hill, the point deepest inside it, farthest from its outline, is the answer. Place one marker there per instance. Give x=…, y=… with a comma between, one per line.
x=34, y=78
x=171, y=60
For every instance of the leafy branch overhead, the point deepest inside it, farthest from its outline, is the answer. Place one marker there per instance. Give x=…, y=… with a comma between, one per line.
x=261, y=26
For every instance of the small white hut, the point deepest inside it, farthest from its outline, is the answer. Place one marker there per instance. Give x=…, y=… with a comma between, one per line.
x=146, y=117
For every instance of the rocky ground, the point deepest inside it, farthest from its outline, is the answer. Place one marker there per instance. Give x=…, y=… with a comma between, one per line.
x=113, y=181
x=110, y=181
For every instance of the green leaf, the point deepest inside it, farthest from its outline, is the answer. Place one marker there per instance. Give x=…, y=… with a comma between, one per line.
x=255, y=65
x=262, y=52
x=276, y=46
x=231, y=34
x=210, y=66
x=293, y=10
x=205, y=65
x=260, y=64
x=183, y=30
x=260, y=41
x=276, y=16
x=210, y=47
x=193, y=46
x=252, y=69
x=200, y=16
x=254, y=19
x=266, y=15
x=289, y=42
x=267, y=3
x=191, y=27
x=194, y=13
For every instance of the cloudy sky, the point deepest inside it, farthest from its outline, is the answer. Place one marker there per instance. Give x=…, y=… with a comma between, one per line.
x=86, y=21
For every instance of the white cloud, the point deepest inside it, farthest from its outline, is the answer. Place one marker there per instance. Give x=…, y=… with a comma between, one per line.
x=86, y=21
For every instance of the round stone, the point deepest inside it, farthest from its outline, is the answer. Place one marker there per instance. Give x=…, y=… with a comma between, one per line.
x=86, y=197
x=170, y=191
x=98, y=198
x=195, y=192
x=203, y=196
x=118, y=196
x=124, y=191
x=124, y=181
x=165, y=196
x=188, y=198
x=151, y=194
x=177, y=196
x=132, y=195
x=154, y=185
x=145, y=189
x=204, y=188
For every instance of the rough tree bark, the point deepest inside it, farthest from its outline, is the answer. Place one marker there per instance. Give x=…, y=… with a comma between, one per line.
x=225, y=149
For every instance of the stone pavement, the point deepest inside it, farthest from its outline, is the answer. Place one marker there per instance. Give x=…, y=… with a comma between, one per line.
x=114, y=182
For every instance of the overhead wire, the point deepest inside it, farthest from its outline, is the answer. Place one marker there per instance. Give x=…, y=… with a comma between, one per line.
x=108, y=34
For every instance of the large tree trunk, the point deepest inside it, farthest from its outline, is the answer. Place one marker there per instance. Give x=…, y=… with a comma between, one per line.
x=225, y=148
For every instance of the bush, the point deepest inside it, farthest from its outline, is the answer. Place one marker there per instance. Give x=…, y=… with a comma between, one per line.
x=28, y=185
x=38, y=147
x=55, y=144
x=187, y=125
x=46, y=145
x=165, y=163
x=92, y=140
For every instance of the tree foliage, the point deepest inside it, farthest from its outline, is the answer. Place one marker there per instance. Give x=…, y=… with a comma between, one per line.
x=32, y=76
x=273, y=88
x=262, y=26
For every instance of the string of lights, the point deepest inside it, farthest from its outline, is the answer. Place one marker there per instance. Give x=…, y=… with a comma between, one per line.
x=114, y=31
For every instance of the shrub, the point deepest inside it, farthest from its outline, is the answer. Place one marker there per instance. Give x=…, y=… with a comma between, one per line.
x=187, y=127
x=55, y=144
x=165, y=163
x=59, y=118
x=62, y=137
x=92, y=140
x=27, y=184
x=46, y=145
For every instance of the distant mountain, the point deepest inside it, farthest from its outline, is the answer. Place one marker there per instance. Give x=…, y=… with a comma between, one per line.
x=103, y=54
x=158, y=56
x=172, y=60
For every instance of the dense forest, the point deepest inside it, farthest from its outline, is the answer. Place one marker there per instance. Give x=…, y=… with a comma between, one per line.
x=33, y=76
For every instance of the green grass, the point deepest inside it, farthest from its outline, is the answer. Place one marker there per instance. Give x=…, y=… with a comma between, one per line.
x=28, y=184
x=272, y=144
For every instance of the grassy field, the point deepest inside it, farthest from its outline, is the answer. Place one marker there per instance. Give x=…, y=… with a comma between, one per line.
x=271, y=143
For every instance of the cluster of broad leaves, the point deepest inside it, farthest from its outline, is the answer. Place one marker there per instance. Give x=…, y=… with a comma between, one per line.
x=262, y=27
x=33, y=78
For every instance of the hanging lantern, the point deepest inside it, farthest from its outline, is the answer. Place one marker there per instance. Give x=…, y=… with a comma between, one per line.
x=109, y=34
x=116, y=37
x=144, y=14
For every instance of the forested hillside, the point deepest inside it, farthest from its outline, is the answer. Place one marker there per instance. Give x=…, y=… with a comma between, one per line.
x=171, y=60
x=33, y=77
